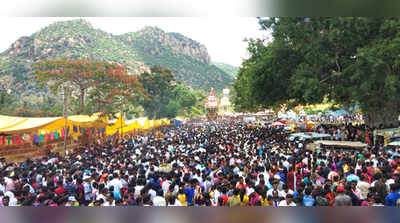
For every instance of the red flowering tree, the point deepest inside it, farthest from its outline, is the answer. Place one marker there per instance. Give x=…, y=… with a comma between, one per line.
x=103, y=81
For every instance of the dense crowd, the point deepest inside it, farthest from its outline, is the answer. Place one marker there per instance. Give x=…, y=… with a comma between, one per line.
x=205, y=164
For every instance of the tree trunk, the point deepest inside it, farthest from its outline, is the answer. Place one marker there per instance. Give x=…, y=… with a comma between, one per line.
x=386, y=117
x=81, y=100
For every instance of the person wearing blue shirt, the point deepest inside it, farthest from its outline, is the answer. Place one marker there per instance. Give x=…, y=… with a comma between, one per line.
x=115, y=194
x=299, y=191
x=352, y=177
x=189, y=191
x=392, y=198
x=283, y=176
x=308, y=201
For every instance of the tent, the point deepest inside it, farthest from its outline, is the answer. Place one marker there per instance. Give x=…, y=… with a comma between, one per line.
x=117, y=124
x=131, y=127
x=144, y=122
x=165, y=121
x=9, y=121
x=17, y=125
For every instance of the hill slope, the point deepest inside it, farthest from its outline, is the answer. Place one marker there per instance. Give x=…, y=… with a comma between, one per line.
x=229, y=69
x=188, y=59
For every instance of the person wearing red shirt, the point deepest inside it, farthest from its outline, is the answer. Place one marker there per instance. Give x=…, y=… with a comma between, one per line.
x=290, y=178
x=241, y=184
x=395, y=161
x=60, y=188
x=223, y=198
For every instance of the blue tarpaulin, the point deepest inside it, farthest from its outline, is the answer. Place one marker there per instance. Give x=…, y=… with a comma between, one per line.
x=177, y=123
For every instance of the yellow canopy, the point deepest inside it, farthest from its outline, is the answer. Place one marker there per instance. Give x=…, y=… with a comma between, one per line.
x=131, y=127
x=165, y=121
x=151, y=124
x=10, y=121
x=15, y=125
x=157, y=123
x=28, y=125
x=143, y=122
x=120, y=123
x=93, y=121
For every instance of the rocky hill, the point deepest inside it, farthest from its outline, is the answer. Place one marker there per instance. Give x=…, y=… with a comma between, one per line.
x=188, y=59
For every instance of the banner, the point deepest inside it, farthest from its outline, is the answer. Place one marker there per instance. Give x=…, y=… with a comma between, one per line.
x=41, y=138
x=18, y=140
x=35, y=139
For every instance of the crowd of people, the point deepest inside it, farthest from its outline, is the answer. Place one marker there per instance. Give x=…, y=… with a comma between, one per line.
x=224, y=163
x=349, y=132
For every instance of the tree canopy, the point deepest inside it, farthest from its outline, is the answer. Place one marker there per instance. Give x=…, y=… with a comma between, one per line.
x=166, y=97
x=347, y=60
x=107, y=86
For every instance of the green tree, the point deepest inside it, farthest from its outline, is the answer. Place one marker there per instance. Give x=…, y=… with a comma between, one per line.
x=108, y=86
x=171, y=109
x=184, y=96
x=348, y=60
x=158, y=85
x=7, y=102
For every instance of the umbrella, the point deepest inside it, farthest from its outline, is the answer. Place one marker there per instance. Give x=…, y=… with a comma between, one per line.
x=277, y=124
x=311, y=123
x=282, y=121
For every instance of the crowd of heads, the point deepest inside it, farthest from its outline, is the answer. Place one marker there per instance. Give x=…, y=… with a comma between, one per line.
x=223, y=163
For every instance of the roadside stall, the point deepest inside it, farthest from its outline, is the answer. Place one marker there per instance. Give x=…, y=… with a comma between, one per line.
x=383, y=136
x=303, y=136
x=330, y=144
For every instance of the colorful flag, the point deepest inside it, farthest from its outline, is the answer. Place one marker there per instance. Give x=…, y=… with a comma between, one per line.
x=41, y=138
x=18, y=140
x=35, y=139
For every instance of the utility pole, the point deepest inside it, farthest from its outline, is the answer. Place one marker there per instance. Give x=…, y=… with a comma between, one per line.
x=122, y=128
x=66, y=95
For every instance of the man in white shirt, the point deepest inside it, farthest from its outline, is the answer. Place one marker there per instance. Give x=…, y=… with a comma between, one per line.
x=389, y=180
x=288, y=201
x=110, y=201
x=274, y=187
x=165, y=185
x=159, y=200
x=152, y=194
x=363, y=186
x=2, y=185
x=286, y=190
x=116, y=182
